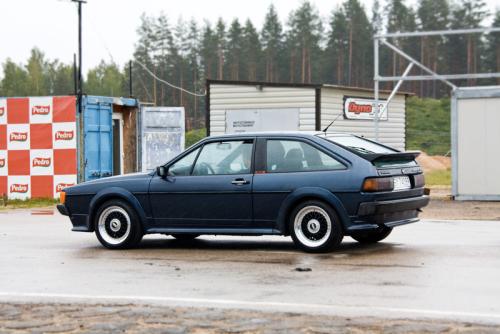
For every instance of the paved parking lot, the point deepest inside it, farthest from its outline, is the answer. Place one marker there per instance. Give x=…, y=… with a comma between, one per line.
x=445, y=271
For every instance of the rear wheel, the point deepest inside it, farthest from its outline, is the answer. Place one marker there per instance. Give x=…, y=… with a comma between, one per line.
x=185, y=237
x=315, y=227
x=117, y=225
x=371, y=237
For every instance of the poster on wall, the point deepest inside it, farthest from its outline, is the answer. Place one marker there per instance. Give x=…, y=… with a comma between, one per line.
x=255, y=120
x=364, y=109
x=37, y=146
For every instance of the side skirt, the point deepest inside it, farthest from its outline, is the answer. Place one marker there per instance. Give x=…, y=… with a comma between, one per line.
x=215, y=231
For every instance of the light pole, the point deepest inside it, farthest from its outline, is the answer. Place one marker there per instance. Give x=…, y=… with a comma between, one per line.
x=79, y=80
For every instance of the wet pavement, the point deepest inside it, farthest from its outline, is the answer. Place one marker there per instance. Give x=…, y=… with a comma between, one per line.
x=433, y=269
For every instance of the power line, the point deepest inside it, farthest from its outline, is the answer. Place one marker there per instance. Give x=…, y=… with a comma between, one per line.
x=166, y=82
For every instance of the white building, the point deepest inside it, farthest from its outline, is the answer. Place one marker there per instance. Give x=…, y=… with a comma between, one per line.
x=237, y=106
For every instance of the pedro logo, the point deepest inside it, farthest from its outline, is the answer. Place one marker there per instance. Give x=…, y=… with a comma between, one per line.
x=41, y=162
x=2, y=163
x=18, y=136
x=19, y=188
x=61, y=186
x=64, y=135
x=2, y=111
x=40, y=110
x=359, y=108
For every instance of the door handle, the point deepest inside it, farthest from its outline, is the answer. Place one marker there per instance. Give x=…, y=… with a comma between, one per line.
x=239, y=182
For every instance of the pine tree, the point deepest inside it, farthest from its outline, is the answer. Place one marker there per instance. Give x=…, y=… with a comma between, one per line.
x=234, y=50
x=272, y=44
x=433, y=15
x=220, y=35
x=337, y=48
x=492, y=61
x=465, y=50
x=252, y=51
x=303, y=40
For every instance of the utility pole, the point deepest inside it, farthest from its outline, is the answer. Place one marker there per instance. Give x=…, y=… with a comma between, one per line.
x=79, y=80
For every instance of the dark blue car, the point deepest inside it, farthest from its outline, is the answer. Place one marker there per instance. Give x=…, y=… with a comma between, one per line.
x=315, y=187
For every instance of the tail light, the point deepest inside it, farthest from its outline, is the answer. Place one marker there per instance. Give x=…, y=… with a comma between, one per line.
x=378, y=184
x=62, y=197
x=418, y=180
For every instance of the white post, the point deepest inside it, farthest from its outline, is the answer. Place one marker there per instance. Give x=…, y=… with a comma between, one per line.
x=376, y=83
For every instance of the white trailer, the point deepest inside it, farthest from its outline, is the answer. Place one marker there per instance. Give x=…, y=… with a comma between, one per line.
x=475, y=143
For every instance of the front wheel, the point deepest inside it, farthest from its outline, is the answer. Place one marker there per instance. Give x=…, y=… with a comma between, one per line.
x=117, y=225
x=371, y=237
x=315, y=227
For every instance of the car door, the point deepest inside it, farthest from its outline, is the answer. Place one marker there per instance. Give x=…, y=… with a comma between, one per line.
x=210, y=187
x=284, y=165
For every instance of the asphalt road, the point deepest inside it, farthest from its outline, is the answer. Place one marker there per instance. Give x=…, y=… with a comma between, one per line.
x=432, y=269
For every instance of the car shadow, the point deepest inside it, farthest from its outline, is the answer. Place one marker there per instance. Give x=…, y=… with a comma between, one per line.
x=253, y=244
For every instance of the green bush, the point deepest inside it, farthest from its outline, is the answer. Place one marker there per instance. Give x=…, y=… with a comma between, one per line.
x=428, y=125
x=194, y=136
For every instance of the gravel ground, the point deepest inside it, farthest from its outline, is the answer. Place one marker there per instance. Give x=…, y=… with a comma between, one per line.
x=64, y=318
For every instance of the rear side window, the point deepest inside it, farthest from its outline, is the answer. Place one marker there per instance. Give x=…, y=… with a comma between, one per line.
x=297, y=156
x=360, y=145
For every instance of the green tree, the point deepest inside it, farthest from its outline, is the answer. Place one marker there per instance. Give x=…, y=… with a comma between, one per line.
x=433, y=15
x=252, y=51
x=272, y=44
x=234, y=50
x=15, y=81
x=38, y=81
x=105, y=79
x=492, y=61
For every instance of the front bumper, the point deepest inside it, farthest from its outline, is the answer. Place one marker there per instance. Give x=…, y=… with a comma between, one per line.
x=62, y=209
x=79, y=221
x=390, y=213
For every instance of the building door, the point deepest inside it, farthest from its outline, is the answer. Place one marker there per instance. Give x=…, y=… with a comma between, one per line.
x=117, y=144
x=98, y=138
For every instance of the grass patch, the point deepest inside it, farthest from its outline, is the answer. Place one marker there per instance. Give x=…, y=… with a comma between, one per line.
x=428, y=125
x=29, y=203
x=438, y=178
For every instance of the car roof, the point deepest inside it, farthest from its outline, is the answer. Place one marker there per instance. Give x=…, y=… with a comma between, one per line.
x=279, y=133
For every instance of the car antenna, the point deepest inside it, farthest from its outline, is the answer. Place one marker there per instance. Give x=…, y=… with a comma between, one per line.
x=331, y=123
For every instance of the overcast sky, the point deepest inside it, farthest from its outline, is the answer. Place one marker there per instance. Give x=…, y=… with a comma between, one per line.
x=110, y=25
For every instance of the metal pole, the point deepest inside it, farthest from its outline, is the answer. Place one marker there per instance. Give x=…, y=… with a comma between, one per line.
x=425, y=68
x=130, y=78
x=396, y=88
x=80, y=83
x=376, y=84
x=443, y=76
x=440, y=32
x=75, y=75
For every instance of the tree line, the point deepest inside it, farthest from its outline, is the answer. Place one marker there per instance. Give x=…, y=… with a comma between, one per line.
x=306, y=47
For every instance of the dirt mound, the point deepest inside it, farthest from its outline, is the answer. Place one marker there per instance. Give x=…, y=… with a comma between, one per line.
x=431, y=163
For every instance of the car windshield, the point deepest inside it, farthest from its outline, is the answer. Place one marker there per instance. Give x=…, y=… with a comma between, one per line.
x=359, y=145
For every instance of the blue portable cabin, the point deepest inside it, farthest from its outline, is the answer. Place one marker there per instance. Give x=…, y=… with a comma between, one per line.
x=111, y=136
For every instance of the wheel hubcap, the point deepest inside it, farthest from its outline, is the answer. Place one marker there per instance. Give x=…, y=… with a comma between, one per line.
x=312, y=226
x=114, y=225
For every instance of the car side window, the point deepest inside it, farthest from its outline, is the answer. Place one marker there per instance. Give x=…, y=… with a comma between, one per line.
x=224, y=158
x=184, y=165
x=297, y=156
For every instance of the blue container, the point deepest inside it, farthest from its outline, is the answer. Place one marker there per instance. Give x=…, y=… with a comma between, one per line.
x=97, y=145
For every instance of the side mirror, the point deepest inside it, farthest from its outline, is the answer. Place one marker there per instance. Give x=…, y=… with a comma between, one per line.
x=161, y=171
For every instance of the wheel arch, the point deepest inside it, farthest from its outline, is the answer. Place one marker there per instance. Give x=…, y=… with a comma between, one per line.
x=114, y=193
x=305, y=194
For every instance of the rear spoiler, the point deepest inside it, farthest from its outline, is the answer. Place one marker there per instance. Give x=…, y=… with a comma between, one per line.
x=409, y=155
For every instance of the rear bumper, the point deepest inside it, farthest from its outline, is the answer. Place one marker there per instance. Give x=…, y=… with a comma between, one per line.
x=383, y=207
x=391, y=213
